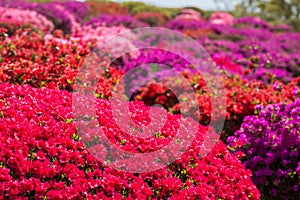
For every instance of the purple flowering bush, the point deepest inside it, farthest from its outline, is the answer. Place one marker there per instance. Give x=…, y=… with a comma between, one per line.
x=115, y=20
x=271, y=142
x=252, y=21
x=78, y=9
x=182, y=24
x=58, y=14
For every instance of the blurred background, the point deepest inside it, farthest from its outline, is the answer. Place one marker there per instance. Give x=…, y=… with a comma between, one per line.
x=273, y=11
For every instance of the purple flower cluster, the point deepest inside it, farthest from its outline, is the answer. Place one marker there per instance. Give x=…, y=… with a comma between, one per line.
x=265, y=53
x=187, y=24
x=252, y=21
x=271, y=142
x=115, y=20
x=152, y=64
x=78, y=9
x=58, y=14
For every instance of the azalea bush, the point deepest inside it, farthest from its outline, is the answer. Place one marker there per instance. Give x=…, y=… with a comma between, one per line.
x=42, y=156
x=51, y=51
x=29, y=59
x=96, y=8
x=49, y=62
x=79, y=9
x=221, y=18
x=58, y=14
x=271, y=52
x=189, y=14
x=270, y=142
x=100, y=34
x=25, y=17
x=152, y=18
x=115, y=20
x=242, y=97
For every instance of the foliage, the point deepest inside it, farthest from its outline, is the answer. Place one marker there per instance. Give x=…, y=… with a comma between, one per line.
x=275, y=10
x=139, y=7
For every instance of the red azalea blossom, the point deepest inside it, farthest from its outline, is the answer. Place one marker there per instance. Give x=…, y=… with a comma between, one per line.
x=50, y=161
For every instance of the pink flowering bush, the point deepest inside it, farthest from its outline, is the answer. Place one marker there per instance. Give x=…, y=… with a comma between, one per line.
x=221, y=18
x=189, y=14
x=25, y=17
x=101, y=34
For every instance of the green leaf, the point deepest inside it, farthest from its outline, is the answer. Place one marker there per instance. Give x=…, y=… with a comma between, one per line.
x=1, y=114
x=75, y=137
x=68, y=121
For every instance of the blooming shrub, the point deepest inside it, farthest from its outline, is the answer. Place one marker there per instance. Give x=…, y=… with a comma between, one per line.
x=25, y=17
x=226, y=64
x=221, y=18
x=96, y=8
x=101, y=34
x=79, y=9
x=152, y=18
x=115, y=20
x=199, y=33
x=267, y=55
x=241, y=96
x=188, y=14
x=252, y=21
x=60, y=16
x=186, y=24
x=30, y=59
x=270, y=142
x=43, y=157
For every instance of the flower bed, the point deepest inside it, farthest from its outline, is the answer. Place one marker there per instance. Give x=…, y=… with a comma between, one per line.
x=242, y=97
x=43, y=157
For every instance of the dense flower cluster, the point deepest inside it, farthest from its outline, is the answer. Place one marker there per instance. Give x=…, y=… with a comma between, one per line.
x=31, y=60
x=271, y=52
x=252, y=21
x=242, y=96
x=61, y=17
x=52, y=63
x=182, y=24
x=152, y=18
x=100, y=34
x=43, y=157
x=79, y=9
x=109, y=7
x=25, y=17
x=44, y=47
x=221, y=18
x=115, y=20
x=189, y=14
x=271, y=142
